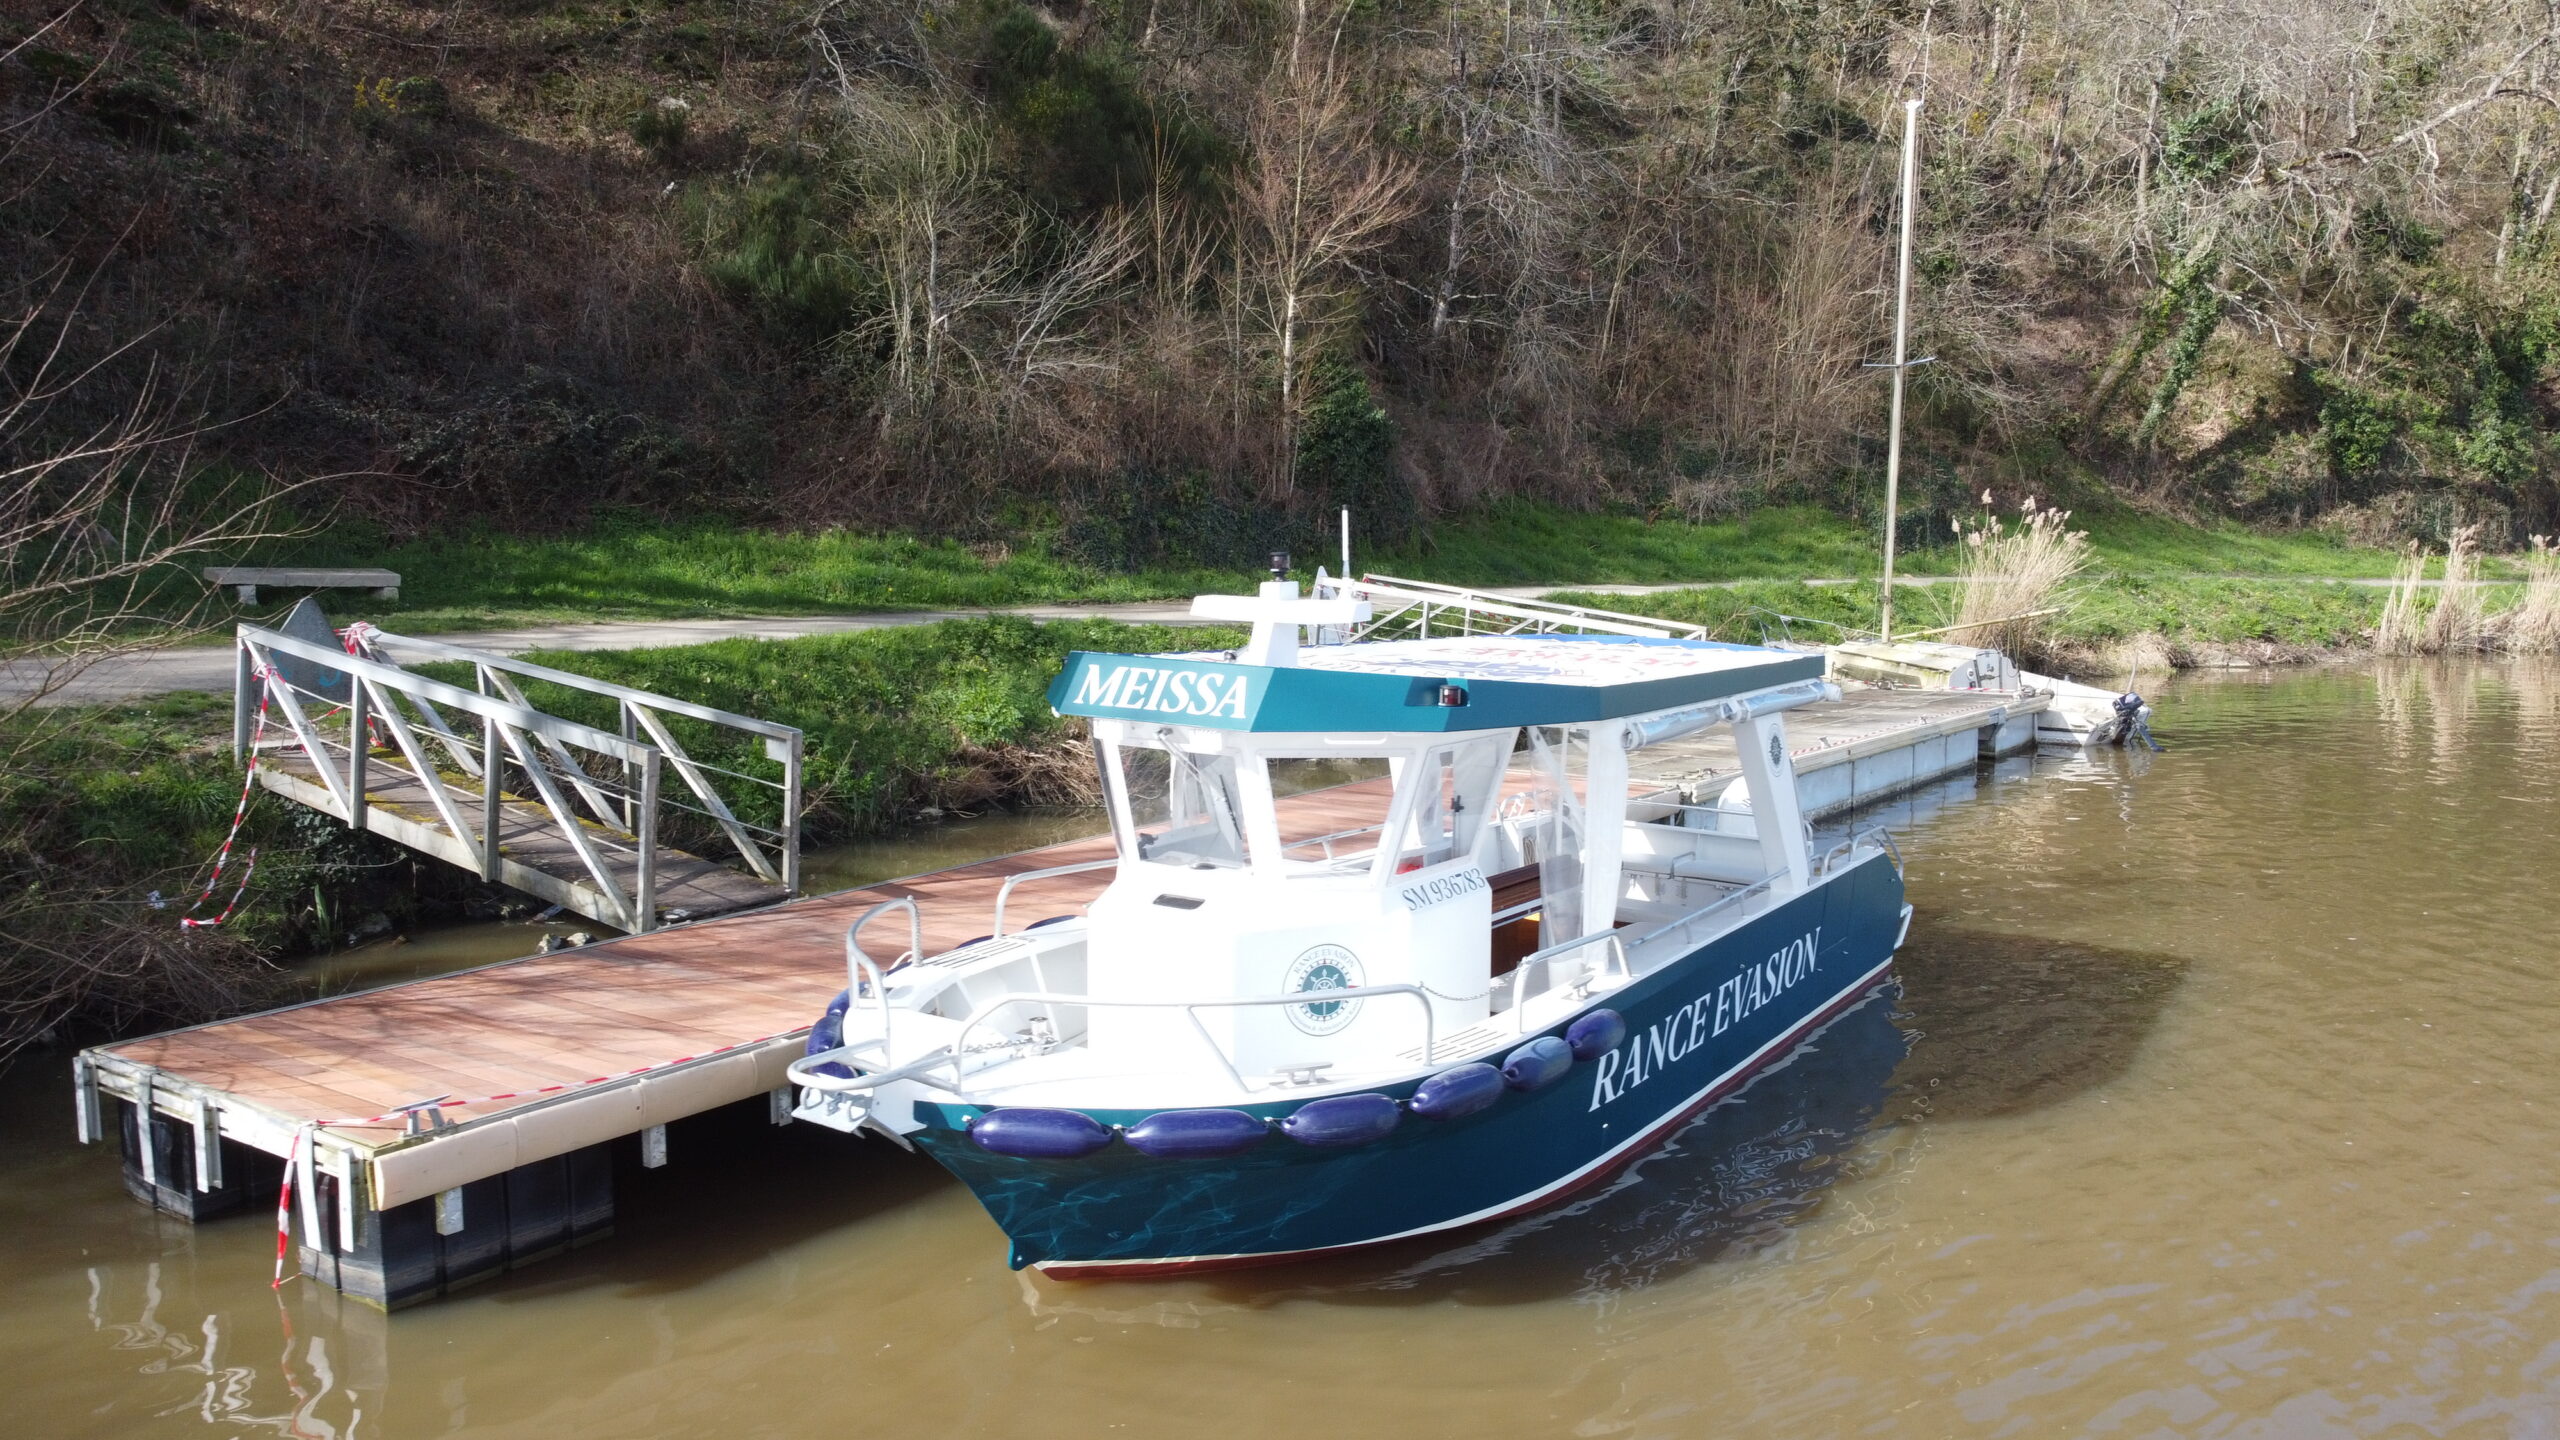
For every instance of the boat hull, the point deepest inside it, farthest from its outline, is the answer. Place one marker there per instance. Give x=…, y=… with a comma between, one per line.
x=1695, y=1030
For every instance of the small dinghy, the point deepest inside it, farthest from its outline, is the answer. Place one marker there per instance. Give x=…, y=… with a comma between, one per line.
x=1462, y=974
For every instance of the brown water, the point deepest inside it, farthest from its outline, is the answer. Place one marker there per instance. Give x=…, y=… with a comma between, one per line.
x=2217, y=1099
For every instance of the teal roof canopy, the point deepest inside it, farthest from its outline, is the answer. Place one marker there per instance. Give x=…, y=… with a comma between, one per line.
x=1506, y=680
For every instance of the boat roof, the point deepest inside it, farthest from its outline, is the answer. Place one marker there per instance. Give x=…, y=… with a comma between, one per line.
x=1396, y=684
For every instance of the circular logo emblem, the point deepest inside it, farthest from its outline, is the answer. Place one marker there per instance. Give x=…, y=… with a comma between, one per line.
x=1777, y=752
x=1326, y=967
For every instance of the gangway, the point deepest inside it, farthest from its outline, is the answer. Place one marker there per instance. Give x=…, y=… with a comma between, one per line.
x=482, y=779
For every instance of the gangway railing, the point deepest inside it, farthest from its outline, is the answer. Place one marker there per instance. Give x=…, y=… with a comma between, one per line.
x=602, y=794
x=1420, y=609
x=642, y=713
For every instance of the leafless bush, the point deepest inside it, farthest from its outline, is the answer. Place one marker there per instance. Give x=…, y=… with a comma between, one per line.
x=114, y=962
x=98, y=517
x=1318, y=194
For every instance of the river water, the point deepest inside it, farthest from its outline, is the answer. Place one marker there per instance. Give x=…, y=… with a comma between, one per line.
x=2215, y=1098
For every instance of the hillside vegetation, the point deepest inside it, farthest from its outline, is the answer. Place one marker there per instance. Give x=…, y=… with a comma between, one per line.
x=1162, y=280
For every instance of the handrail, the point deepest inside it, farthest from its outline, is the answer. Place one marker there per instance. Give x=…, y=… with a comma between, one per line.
x=1327, y=840
x=955, y=1052
x=1004, y=892
x=1531, y=610
x=859, y=964
x=771, y=730
x=1520, y=988
x=1876, y=835
x=522, y=717
x=1756, y=887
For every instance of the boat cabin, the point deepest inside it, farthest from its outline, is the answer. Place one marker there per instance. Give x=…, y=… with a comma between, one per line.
x=1336, y=862
x=1458, y=805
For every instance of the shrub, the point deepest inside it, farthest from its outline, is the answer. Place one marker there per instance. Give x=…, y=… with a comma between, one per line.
x=1347, y=454
x=2012, y=574
x=770, y=249
x=1086, y=136
x=2356, y=429
x=659, y=129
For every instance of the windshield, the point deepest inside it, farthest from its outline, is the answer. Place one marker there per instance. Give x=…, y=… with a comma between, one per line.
x=1184, y=809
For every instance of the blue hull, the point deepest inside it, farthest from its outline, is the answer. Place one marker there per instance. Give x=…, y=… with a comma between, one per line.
x=1695, y=1030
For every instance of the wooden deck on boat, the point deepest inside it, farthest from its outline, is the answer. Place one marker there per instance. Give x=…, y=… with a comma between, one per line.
x=549, y=1054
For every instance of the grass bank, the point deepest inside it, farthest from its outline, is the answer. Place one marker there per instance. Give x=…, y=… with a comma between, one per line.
x=110, y=819
x=633, y=571
x=905, y=723
x=2197, y=620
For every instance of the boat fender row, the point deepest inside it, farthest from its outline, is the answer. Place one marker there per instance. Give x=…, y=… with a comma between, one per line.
x=1338, y=1121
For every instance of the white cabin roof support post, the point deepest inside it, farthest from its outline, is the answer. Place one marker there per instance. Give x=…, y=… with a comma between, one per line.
x=1776, y=812
x=1605, y=819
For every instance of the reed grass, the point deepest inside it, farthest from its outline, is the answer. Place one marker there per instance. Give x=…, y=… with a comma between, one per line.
x=2455, y=626
x=2400, y=630
x=2015, y=575
x=2533, y=626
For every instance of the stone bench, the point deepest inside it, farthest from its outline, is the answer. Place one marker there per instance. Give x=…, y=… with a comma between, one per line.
x=245, y=580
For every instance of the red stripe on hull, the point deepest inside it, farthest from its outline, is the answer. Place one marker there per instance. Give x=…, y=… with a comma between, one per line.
x=1599, y=1174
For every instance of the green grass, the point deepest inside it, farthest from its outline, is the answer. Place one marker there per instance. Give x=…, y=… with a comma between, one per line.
x=896, y=720
x=123, y=799
x=694, y=570
x=2104, y=610
x=1523, y=543
x=681, y=571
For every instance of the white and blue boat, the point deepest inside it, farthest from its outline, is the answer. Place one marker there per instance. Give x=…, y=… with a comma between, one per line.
x=1390, y=947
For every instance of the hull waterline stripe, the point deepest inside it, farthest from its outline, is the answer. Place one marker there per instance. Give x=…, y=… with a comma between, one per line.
x=1590, y=1173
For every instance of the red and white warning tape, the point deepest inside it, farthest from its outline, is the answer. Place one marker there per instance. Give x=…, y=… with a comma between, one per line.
x=239, y=813
x=358, y=641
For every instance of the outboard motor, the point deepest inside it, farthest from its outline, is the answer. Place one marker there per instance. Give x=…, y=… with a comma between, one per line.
x=2129, y=722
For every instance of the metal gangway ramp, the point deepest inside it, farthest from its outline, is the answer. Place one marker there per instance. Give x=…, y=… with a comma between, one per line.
x=482, y=779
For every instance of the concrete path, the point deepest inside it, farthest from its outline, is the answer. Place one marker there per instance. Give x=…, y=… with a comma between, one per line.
x=208, y=667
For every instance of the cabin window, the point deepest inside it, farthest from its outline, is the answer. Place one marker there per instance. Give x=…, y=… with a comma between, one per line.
x=1184, y=809
x=1336, y=826
x=1454, y=792
x=1553, y=806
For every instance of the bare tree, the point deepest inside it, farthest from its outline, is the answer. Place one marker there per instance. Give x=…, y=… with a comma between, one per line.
x=1318, y=194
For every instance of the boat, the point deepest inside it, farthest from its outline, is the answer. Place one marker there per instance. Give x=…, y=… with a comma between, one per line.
x=2075, y=716
x=1390, y=946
